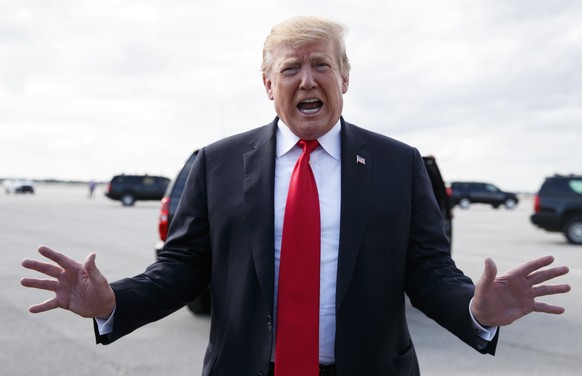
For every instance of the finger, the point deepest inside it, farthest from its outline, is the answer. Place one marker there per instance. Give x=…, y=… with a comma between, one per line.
x=42, y=267
x=63, y=260
x=545, y=290
x=43, y=284
x=44, y=306
x=530, y=266
x=548, y=308
x=545, y=275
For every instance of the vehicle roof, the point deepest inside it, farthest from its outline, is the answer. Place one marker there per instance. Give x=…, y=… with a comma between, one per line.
x=140, y=176
x=572, y=176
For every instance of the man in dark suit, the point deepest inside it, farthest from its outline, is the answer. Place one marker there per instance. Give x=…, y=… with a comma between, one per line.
x=382, y=236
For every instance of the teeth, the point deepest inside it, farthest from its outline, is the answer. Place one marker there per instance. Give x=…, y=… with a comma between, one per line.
x=310, y=106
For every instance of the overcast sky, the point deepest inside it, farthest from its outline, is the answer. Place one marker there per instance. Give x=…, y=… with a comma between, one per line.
x=93, y=88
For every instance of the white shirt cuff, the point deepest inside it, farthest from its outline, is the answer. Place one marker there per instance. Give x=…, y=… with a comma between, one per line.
x=487, y=333
x=105, y=326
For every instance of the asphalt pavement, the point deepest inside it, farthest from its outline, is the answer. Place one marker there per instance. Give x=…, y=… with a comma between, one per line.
x=58, y=342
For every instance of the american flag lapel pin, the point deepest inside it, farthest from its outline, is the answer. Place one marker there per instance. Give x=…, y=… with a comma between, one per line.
x=360, y=160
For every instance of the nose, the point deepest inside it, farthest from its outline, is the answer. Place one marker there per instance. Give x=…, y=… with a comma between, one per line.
x=307, y=78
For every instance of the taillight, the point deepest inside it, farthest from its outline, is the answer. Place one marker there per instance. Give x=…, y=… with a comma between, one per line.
x=449, y=191
x=537, y=207
x=163, y=222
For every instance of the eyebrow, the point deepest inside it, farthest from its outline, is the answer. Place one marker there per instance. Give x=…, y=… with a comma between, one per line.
x=313, y=57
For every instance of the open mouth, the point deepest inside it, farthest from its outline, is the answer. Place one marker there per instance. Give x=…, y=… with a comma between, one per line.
x=310, y=106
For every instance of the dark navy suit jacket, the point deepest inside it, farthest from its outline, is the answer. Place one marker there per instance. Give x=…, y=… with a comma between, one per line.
x=392, y=243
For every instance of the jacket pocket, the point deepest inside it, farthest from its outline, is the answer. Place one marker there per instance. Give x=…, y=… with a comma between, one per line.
x=405, y=361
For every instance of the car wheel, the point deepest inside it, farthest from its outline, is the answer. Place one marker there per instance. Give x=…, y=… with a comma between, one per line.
x=510, y=203
x=573, y=230
x=464, y=203
x=127, y=199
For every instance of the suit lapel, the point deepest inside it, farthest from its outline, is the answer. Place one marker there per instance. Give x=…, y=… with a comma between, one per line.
x=356, y=165
x=259, y=186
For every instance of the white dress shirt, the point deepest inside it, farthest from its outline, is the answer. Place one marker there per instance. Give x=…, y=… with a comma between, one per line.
x=326, y=166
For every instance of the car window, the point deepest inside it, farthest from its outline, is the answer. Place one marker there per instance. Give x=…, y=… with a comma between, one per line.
x=576, y=186
x=553, y=186
x=148, y=180
x=491, y=188
x=180, y=182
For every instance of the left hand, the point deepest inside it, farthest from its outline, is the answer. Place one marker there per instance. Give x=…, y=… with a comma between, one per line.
x=78, y=287
x=500, y=300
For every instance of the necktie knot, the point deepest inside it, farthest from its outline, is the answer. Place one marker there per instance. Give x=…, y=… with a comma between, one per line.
x=308, y=145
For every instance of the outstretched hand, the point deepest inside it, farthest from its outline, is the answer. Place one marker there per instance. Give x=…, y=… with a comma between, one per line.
x=500, y=300
x=79, y=288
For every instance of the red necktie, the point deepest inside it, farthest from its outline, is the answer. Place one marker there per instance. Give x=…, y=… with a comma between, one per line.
x=297, y=342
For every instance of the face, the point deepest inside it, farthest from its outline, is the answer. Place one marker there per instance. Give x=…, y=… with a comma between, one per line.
x=307, y=87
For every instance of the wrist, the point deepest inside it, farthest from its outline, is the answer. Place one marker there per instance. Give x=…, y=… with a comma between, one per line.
x=475, y=314
x=106, y=310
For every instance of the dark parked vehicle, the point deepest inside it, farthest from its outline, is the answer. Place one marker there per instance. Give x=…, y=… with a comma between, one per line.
x=558, y=206
x=171, y=199
x=466, y=193
x=440, y=192
x=169, y=204
x=175, y=188
x=131, y=188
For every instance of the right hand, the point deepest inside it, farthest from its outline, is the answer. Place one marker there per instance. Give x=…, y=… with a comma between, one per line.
x=79, y=288
x=500, y=300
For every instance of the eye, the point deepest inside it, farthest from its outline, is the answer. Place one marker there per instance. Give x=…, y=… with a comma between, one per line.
x=289, y=70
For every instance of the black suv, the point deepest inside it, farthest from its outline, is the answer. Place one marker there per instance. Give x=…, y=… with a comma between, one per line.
x=558, y=206
x=130, y=188
x=440, y=192
x=174, y=192
x=466, y=193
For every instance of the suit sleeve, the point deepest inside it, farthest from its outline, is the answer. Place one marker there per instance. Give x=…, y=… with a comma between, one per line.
x=433, y=282
x=181, y=273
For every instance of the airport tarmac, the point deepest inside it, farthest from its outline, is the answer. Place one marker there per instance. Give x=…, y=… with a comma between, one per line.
x=59, y=342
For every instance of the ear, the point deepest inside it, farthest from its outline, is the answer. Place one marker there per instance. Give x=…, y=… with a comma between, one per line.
x=268, y=86
x=345, y=84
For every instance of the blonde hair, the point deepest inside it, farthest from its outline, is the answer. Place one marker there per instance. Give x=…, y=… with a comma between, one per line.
x=303, y=30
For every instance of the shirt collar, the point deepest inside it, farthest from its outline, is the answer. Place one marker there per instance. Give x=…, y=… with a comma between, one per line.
x=330, y=142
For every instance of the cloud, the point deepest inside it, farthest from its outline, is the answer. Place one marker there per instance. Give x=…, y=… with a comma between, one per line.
x=88, y=89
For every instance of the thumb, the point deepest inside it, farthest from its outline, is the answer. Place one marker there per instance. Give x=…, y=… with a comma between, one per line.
x=489, y=272
x=100, y=296
x=90, y=266
x=481, y=303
